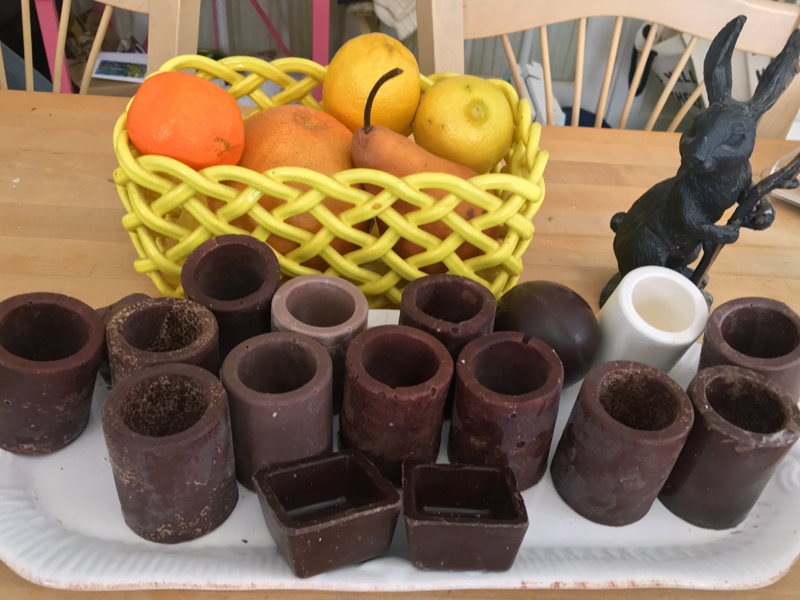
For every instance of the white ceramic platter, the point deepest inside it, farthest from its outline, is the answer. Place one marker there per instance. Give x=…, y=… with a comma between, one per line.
x=61, y=526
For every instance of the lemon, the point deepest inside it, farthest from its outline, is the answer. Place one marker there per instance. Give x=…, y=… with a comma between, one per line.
x=467, y=120
x=356, y=68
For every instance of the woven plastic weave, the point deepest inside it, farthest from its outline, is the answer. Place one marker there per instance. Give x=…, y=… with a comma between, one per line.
x=168, y=214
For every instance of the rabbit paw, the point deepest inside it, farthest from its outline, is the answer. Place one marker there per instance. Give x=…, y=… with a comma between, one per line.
x=762, y=216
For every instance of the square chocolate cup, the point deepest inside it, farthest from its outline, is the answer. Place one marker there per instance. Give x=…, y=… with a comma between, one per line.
x=328, y=512
x=462, y=517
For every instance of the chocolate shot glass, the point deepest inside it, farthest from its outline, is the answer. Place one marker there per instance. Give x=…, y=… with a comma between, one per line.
x=507, y=394
x=624, y=434
x=279, y=393
x=161, y=331
x=327, y=309
x=744, y=425
x=453, y=309
x=328, y=512
x=462, y=517
x=50, y=349
x=396, y=382
x=759, y=334
x=169, y=443
x=235, y=277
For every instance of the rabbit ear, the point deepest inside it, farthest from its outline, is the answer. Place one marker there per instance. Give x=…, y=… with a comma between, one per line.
x=777, y=76
x=717, y=66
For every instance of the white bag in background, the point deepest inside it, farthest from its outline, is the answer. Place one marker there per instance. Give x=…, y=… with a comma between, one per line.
x=533, y=76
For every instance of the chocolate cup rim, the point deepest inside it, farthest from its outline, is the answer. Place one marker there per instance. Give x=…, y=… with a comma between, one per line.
x=111, y=415
x=441, y=378
x=338, y=333
x=410, y=512
x=684, y=418
x=93, y=346
x=744, y=437
x=551, y=386
x=229, y=373
x=411, y=290
x=115, y=336
x=713, y=334
x=391, y=500
x=249, y=302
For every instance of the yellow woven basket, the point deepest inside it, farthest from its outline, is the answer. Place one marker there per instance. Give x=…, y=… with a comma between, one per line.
x=168, y=215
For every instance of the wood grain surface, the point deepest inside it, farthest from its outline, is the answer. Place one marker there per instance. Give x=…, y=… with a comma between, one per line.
x=60, y=231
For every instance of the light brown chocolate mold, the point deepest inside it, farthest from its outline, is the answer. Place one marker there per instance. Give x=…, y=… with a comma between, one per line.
x=327, y=309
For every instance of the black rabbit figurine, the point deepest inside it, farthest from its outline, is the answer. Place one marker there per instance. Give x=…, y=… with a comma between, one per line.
x=675, y=219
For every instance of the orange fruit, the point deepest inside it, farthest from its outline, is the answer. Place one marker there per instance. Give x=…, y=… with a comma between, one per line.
x=355, y=69
x=296, y=136
x=186, y=118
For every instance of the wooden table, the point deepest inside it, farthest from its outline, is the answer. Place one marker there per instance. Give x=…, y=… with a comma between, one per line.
x=60, y=231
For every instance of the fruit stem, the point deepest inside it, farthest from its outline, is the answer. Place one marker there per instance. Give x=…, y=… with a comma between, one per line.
x=374, y=92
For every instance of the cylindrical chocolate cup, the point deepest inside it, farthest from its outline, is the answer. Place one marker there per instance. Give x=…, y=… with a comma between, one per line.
x=169, y=443
x=279, y=392
x=396, y=383
x=107, y=313
x=744, y=425
x=327, y=309
x=759, y=334
x=622, y=438
x=453, y=309
x=507, y=396
x=161, y=331
x=50, y=349
x=235, y=277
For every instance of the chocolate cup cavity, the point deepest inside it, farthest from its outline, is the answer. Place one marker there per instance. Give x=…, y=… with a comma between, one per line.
x=462, y=517
x=507, y=394
x=330, y=512
x=744, y=425
x=625, y=432
x=50, y=351
x=453, y=309
x=396, y=382
x=161, y=331
x=169, y=444
x=759, y=334
x=235, y=277
x=279, y=392
x=328, y=309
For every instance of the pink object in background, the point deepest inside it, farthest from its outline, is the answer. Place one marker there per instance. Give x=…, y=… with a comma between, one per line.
x=321, y=27
x=48, y=23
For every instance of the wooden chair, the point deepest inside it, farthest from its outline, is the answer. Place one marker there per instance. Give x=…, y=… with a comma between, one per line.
x=173, y=30
x=443, y=25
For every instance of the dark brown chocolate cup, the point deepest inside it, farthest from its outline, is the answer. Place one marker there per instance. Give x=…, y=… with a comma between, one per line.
x=169, y=443
x=107, y=313
x=161, y=331
x=462, y=517
x=235, y=277
x=279, y=393
x=329, y=512
x=759, y=334
x=396, y=383
x=50, y=349
x=453, y=309
x=622, y=438
x=744, y=425
x=507, y=394
x=327, y=309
